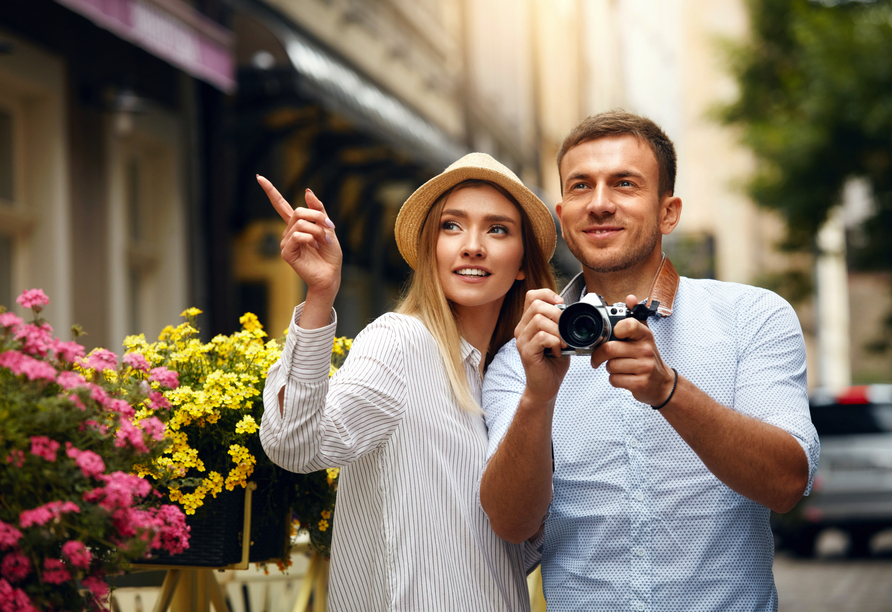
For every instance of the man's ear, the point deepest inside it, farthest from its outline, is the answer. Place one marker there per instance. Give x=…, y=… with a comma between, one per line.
x=670, y=214
x=558, y=209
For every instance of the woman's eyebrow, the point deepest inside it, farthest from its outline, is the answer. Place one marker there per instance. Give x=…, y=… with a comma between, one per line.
x=464, y=215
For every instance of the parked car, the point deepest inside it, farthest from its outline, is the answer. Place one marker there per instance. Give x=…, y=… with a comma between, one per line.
x=853, y=487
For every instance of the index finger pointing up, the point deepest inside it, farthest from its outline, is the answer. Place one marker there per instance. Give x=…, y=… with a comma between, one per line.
x=279, y=203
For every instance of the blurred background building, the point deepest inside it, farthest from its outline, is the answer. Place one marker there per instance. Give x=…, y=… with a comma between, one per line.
x=131, y=131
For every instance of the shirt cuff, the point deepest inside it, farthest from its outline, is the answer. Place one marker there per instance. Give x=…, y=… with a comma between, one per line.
x=307, y=352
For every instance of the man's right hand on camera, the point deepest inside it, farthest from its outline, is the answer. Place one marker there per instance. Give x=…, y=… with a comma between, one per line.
x=539, y=345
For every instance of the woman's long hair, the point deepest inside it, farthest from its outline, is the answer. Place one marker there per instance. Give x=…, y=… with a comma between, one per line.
x=424, y=298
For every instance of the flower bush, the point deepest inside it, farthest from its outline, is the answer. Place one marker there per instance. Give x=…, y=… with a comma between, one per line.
x=73, y=428
x=215, y=412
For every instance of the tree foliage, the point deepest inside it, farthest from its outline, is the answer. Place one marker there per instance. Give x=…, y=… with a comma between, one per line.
x=815, y=107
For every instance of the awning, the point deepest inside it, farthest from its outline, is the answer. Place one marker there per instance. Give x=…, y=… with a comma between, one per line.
x=342, y=90
x=171, y=30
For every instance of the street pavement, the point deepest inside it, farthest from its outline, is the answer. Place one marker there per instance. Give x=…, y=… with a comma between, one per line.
x=832, y=583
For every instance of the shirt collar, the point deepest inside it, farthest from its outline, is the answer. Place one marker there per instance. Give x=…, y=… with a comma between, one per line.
x=663, y=288
x=468, y=351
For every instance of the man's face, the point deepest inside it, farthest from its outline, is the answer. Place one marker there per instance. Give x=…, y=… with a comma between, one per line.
x=612, y=216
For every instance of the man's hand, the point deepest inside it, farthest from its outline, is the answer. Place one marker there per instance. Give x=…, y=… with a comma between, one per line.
x=635, y=364
x=537, y=334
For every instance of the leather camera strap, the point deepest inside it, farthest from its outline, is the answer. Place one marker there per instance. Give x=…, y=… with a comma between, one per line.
x=664, y=287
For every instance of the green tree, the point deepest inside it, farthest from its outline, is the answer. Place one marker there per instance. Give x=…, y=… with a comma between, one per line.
x=815, y=107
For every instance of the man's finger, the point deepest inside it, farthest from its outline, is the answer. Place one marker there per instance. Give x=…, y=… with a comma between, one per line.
x=279, y=203
x=546, y=295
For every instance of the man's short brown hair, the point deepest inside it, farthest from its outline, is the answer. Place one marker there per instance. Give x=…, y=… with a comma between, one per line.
x=618, y=123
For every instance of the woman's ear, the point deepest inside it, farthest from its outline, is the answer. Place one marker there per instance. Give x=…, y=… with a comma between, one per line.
x=520, y=275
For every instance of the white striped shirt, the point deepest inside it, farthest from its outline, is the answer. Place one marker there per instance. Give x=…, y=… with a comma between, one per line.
x=409, y=533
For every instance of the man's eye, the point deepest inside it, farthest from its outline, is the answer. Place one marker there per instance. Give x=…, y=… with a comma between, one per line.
x=625, y=183
x=579, y=186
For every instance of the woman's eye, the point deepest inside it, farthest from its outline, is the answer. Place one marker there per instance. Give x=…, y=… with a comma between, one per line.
x=450, y=225
x=498, y=229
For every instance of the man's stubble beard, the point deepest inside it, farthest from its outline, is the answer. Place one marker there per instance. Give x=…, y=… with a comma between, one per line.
x=620, y=261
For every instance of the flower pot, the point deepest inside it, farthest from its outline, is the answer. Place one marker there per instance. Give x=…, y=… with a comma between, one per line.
x=215, y=533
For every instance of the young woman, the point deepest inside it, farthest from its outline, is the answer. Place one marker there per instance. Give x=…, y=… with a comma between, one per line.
x=402, y=416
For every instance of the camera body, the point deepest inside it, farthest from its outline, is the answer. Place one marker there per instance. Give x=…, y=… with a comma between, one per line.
x=588, y=323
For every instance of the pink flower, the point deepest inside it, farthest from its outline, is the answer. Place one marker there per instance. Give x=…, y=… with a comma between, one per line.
x=10, y=319
x=119, y=491
x=122, y=408
x=36, y=339
x=157, y=400
x=99, y=394
x=14, y=600
x=41, y=446
x=15, y=567
x=70, y=380
x=30, y=367
x=153, y=427
x=16, y=458
x=54, y=571
x=103, y=429
x=174, y=532
x=101, y=359
x=165, y=378
x=77, y=553
x=77, y=402
x=136, y=361
x=9, y=536
x=128, y=432
x=97, y=586
x=89, y=462
x=35, y=299
x=67, y=351
x=45, y=513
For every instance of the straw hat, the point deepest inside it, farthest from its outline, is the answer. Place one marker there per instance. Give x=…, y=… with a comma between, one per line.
x=479, y=166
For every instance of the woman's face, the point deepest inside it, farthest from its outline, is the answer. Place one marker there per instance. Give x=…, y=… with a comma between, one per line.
x=479, y=248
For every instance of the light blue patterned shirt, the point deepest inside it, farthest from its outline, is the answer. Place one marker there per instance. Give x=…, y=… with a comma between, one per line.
x=637, y=522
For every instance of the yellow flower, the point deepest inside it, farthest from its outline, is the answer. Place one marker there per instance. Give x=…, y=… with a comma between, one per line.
x=332, y=474
x=323, y=525
x=325, y=514
x=190, y=312
x=249, y=321
x=246, y=425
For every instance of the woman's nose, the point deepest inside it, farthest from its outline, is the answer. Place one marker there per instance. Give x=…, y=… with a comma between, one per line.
x=473, y=246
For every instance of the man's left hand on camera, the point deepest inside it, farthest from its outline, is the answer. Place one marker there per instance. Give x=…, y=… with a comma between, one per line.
x=635, y=363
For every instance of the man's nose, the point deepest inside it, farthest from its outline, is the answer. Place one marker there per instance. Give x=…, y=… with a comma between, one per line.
x=601, y=202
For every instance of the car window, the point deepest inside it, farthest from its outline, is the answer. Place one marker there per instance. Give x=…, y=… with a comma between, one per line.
x=851, y=419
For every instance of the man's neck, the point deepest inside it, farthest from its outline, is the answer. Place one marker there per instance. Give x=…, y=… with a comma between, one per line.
x=615, y=286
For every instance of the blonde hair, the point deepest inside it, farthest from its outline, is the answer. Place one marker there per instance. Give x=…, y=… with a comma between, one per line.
x=425, y=299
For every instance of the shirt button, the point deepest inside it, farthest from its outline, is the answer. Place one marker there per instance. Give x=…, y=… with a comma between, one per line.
x=639, y=496
x=638, y=551
x=639, y=606
x=633, y=443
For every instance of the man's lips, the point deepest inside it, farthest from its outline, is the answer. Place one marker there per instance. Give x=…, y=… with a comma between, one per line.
x=602, y=231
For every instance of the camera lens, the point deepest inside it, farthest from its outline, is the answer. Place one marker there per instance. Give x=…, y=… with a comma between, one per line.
x=583, y=329
x=581, y=325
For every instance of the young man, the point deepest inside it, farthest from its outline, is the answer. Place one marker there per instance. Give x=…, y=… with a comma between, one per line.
x=654, y=464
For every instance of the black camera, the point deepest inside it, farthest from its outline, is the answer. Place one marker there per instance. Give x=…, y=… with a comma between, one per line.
x=587, y=324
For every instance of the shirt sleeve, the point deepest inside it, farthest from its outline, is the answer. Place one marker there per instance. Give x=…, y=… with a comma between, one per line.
x=328, y=423
x=502, y=387
x=771, y=380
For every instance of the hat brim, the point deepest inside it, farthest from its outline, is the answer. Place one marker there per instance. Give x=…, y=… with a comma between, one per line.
x=474, y=166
